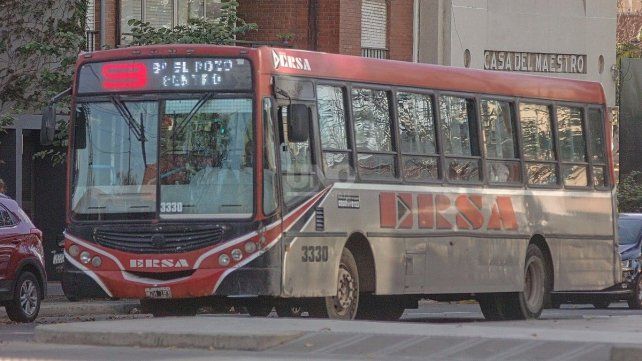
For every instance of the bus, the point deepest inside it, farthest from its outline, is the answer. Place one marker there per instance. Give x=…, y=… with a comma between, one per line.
x=340, y=186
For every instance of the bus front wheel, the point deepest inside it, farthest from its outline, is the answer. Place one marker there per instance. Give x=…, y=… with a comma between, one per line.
x=521, y=305
x=343, y=305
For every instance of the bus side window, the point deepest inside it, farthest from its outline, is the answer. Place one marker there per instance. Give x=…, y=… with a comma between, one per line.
x=538, y=147
x=597, y=147
x=417, y=137
x=500, y=142
x=337, y=162
x=459, y=133
x=373, y=134
x=570, y=124
x=298, y=177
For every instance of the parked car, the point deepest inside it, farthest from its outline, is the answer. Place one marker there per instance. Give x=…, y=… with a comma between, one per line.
x=630, y=248
x=630, y=290
x=22, y=270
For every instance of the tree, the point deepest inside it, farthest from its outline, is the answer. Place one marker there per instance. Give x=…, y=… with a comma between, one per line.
x=629, y=193
x=223, y=30
x=39, y=43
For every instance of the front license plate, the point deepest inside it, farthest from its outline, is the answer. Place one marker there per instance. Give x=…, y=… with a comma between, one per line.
x=158, y=292
x=59, y=258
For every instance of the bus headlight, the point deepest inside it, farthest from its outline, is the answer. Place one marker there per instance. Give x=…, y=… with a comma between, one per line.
x=224, y=260
x=250, y=247
x=96, y=261
x=237, y=254
x=74, y=250
x=85, y=257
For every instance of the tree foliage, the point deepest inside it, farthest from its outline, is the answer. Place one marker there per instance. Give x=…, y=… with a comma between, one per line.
x=629, y=195
x=39, y=43
x=223, y=30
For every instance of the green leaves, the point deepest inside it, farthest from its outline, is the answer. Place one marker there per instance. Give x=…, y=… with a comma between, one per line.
x=222, y=30
x=629, y=193
x=39, y=43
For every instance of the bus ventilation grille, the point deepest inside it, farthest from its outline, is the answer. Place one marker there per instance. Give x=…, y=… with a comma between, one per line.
x=320, y=219
x=158, y=239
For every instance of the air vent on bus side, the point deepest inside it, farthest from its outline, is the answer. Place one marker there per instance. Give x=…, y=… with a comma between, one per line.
x=157, y=238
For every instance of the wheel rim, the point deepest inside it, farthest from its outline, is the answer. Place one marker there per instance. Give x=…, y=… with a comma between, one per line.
x=28, y=297
x=534, y=284
x=346, y=292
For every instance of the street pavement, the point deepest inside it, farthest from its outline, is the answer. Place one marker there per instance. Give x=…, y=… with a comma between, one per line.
x=435, y=331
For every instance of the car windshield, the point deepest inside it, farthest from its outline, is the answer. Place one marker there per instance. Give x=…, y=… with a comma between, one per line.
x=195, y=153
x=629, y=230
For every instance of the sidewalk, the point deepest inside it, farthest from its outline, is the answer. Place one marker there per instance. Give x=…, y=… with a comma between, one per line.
x=594, y=339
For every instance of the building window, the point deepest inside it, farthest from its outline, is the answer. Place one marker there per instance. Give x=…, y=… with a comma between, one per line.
x=168, y=13
x=374, y=29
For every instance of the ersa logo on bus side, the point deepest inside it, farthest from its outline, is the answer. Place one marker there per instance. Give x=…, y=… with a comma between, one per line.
x=436, y=211
x=283, y=60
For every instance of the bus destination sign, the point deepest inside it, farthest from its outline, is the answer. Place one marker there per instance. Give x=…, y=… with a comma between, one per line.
x=177, y=74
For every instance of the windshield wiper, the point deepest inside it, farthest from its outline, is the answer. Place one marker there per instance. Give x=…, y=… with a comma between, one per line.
x=193, y=112
x=137, y=129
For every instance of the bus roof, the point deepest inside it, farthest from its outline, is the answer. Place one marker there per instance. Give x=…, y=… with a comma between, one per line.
x=446, y=78
x=375, y=71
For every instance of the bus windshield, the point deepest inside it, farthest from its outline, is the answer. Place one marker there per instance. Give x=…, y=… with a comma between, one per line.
x=195, y=153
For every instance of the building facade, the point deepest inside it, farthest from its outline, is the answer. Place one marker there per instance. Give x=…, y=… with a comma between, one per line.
x=566, y=38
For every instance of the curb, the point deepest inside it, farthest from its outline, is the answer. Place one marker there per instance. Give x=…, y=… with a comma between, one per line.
x=87, y=308
x=62, y=309
x=625, y=353
x=247, y=342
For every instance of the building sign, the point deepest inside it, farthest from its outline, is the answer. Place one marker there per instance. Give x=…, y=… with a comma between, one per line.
x=535, y=62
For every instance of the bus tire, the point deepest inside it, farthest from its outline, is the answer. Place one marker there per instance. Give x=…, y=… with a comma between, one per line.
x=526, y=304
x=345, y=304
x=493, y=306
x=380, y=308
x=530, y=302
x=167, y=308
x=635, y=300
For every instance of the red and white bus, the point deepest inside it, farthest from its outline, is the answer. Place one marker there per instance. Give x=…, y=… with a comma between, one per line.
x=344, y=186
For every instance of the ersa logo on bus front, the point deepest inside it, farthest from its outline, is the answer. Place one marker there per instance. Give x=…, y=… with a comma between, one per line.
x=446, y=212
x=283, y=60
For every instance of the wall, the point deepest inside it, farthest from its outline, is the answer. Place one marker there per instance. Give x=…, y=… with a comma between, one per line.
x=548, y=26
x=400, y=29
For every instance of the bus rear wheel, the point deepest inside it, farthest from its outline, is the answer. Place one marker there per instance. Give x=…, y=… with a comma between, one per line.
x=344, y=305
x=521, y=305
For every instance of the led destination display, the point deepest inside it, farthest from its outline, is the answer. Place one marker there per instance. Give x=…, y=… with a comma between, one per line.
x=175, y=74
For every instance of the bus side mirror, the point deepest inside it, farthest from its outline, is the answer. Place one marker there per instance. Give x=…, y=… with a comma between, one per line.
x=298, y=123
x=48, y=125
